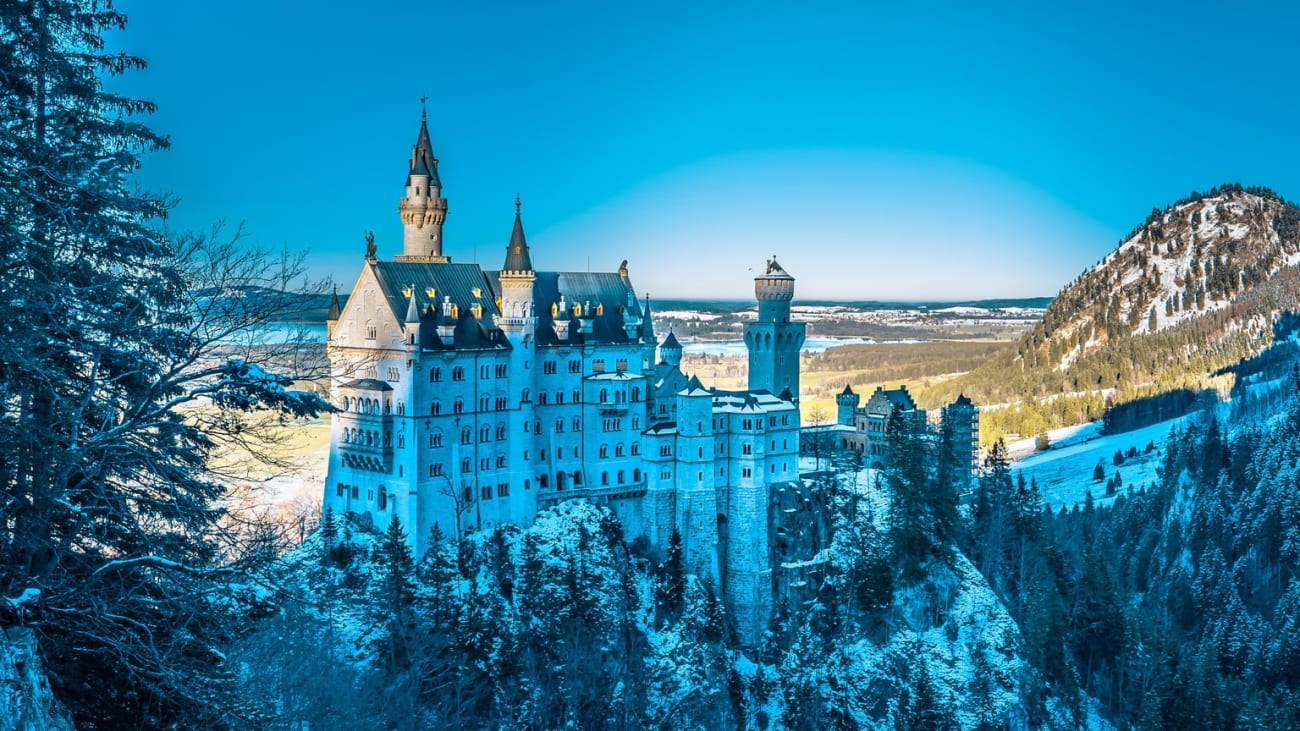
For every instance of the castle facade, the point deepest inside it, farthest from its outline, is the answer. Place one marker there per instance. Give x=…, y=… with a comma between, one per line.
x=473, y=398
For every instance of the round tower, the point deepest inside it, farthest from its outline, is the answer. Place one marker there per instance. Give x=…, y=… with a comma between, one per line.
x=423, y=209
x=670, y=351
x=774, y=289
x=772, y=339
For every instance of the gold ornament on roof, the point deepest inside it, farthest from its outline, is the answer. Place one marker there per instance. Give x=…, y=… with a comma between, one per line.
x=430, y=292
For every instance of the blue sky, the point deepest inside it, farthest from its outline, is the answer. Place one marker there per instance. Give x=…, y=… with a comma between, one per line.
x=881, y=151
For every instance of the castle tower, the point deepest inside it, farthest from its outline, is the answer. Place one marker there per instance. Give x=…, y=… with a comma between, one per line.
x=845, y=404
x=648, y=336
x=517, y=278
x=772, y=339
x=670, y=351
x=423, y=209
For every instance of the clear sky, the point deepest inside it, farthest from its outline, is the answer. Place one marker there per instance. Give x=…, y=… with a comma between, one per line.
x=881, y=150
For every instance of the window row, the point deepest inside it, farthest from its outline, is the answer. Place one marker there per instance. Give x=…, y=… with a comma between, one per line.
x=368, y=438
x=365, y=405
x=354, y=492
x=486, y=371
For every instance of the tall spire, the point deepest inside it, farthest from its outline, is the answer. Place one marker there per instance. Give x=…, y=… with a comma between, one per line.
x=422, y=209
x=423, y=161
x=517, y=257
x=335, y=310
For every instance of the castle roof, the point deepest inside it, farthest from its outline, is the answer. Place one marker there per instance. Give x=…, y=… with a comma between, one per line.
x=370, y=384
x=848, y=390
x=335, y=309
x=517, y=256
x=603, y=296
x=457, y=281
x=775, y=271
x=670, y=342
x=422, y=160
x=962, y=400
x=896, y=398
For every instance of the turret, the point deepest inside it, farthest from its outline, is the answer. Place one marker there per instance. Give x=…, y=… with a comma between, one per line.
x=648, y=334
x=411, y=325
x=670, y=351
x=774, y=289
x=772, y=339
x=422, y=209
x=846, y=403
x=517, y=278
x=332, y=317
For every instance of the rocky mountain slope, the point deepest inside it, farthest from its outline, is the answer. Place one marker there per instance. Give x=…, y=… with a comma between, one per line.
x=1195, y=288
x=1196, y=257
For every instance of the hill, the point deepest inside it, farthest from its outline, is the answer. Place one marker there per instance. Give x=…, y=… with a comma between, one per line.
x=1195, y=288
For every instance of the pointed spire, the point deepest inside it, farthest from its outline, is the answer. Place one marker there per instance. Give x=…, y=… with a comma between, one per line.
x=518, y=258
x=648, y=323
x=423, y=161
x=335, y=309
x=412, y=308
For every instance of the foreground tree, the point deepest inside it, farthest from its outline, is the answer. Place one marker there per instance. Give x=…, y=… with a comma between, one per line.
x=118, y=382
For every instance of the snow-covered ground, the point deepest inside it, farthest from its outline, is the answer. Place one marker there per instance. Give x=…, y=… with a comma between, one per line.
x=1065, y=470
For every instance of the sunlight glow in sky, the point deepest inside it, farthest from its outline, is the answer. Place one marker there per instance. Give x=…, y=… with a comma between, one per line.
x=944, y=151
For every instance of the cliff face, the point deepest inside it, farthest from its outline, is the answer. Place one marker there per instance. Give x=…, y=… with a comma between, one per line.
x=26, y=703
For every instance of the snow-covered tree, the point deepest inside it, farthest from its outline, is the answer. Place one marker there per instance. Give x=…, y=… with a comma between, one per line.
x=113, y=395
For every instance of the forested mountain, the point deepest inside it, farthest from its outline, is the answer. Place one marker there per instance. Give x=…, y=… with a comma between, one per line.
x=1196, y=287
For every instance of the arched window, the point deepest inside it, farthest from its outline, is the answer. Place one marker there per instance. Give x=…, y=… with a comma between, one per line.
x=466, y=435
x=604, y=395
x=636, y=393
x=604, y=451
x=618, y=449
x=559, y=480
x=484, y=433
x=458, y=406
x=501, y=461
x=577, y=479
x=435, y=375
x=484, y=403
x=501, y=432
x=383, y=498
x=466, y=464
x=435, y=439
x=458, y=373
x=436, y=407
x=621, y=475
x=541, y=398
x=604, y=478
x=370, y=329
x=636, y=448
x=541, y=482
x=636, y=475
x=559, y=426
x=524, y=396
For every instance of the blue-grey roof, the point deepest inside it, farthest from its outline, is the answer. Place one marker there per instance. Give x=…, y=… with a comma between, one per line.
x=422, y=160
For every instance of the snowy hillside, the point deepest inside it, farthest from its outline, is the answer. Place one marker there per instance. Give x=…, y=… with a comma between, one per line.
x=1192, y=259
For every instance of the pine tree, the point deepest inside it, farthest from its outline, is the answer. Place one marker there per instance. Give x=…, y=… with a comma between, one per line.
x=670, y=591
x=114, y=540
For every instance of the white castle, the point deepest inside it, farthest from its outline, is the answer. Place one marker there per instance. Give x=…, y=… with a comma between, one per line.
x=473, y=398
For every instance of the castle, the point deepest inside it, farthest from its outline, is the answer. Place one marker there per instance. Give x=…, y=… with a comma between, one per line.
x=861, y=429
x=473, y=398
